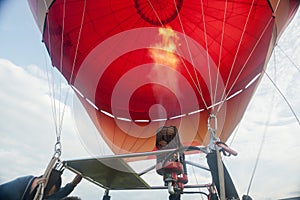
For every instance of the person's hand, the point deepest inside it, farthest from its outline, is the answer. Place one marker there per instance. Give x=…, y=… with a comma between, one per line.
x=76, y=180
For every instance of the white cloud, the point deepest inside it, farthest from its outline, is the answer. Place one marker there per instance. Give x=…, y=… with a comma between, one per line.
x=26, y=124
x=27, y=128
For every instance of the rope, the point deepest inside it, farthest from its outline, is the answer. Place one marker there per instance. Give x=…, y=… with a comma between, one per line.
x=285, y=99
x=256, y=161
x=293, y=63
x=78, y=41
x=58, y=114
x=61, y=113
x=43, y=182
x=207, y=53
x=276, y=7
x=196, y=179
x=196, y=84
x=243, y=67
x=156, y=14
x=45, y=177
x=220, y=52
x=236, y=55
x=181, y=59
x=264, y=136
x=51, y=83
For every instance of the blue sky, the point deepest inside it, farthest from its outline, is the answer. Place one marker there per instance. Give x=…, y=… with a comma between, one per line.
x=28, y=135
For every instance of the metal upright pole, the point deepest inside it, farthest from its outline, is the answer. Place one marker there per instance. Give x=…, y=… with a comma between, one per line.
x=221, y=175
x=212, y=128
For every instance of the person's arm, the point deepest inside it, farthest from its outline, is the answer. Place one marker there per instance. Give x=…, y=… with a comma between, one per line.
x=76, y=180
x=65, y=191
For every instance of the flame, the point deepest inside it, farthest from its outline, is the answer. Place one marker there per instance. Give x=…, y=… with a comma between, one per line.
x=164, y=53
x=168, y=46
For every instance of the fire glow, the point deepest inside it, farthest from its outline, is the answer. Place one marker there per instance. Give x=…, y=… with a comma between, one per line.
x=165, y=55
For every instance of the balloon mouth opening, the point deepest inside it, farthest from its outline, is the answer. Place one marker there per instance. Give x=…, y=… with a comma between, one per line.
x=158, y=12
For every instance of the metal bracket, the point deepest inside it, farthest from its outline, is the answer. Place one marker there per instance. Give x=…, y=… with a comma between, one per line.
x=212, y=126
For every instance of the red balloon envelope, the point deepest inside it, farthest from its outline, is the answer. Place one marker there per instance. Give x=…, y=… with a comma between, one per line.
x=138, y=65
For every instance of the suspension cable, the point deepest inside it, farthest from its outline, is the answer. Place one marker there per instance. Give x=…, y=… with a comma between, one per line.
x=256, y=161
x=78, y=41
x=220, y=52
x=242, y=69
x=264, y=133
x=42, y=183
x=276, y=6
x=293, y=63
x=261, y=144
x=61, y=112
x=51, y=83
x=207, y=53
x=284, y=98
x=196, y=83
x=57, y=111
x=224, y=95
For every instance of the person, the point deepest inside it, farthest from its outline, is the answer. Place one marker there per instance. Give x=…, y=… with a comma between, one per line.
x=25, y=188
x=65, y=191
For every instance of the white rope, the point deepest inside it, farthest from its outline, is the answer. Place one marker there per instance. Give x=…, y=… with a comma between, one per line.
x=45, y=5
x=207, y=54
x=278, y=2
x=156, y=14
x=78, y=41
x=56, y=112
x=181, y=59
x=51, y=83
x=62, y=36
x=196, y=179
x=60, y=113
x=188, y=48
x=196, y=83
x=285, y=99
x=293, y=63
x=43, y=182
x=235, y=57
x=263, y=138
x=220, y=53
x=242, y=69
x=73, y=67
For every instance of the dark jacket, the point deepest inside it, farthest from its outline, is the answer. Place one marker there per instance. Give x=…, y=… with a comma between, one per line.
x=19, y=189
x=62, y=192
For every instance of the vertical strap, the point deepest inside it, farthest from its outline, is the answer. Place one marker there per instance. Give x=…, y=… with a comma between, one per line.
x=221, y=175
x=42, y=184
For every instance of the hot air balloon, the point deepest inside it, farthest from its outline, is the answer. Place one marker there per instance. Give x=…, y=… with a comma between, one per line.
x=138, y=65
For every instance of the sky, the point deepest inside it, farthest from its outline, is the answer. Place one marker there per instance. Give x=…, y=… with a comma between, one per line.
x=28, y=136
